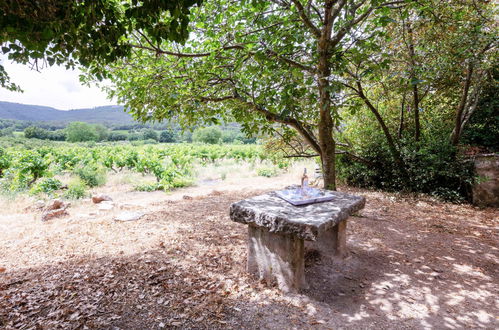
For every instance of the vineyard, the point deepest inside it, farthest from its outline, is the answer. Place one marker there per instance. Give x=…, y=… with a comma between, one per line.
x=35, y=169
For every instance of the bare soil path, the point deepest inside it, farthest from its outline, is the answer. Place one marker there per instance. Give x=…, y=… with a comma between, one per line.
x=412, y=265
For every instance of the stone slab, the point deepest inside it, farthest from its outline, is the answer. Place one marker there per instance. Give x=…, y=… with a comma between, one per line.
x=306, y=222
x=486, y=192
x=276, y=258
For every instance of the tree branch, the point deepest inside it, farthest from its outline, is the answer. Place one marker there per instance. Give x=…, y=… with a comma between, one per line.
x=306, y=20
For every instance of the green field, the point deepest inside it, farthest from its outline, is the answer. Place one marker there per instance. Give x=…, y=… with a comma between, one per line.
x=35, y=166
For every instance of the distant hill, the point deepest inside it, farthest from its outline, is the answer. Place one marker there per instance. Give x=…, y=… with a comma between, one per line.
x=113, y=114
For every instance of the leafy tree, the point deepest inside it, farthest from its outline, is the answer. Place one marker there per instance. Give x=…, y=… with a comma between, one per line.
x=79, y=132
x=58, y=135
x=8, y=131
x=167, y=136
x=102, y=132
x=261, y=63
x=117, y=136
x=35, y=132
x=71, y=32
x=150, y=134
x=210, y=135
x=483, y=128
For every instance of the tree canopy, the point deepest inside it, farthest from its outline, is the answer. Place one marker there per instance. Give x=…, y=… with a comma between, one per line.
x=80, y=32
x=309, y=64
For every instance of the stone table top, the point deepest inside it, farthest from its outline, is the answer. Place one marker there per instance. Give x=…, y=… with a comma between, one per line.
x=305, y=221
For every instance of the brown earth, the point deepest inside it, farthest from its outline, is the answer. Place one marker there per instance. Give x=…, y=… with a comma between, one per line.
x=412, y=264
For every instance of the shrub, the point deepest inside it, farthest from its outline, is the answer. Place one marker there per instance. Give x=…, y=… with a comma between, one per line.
x=267, y=172
x=167, y=136
x=117, y=136
x=150, y=134
x=434, y=168
x=46, y=185
x=210, y=135
x=35, y=132
x=76, y=190
x=80, y=132
x=91, y=174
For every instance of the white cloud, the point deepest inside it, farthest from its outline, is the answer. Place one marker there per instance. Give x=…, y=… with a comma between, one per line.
x=53, y=86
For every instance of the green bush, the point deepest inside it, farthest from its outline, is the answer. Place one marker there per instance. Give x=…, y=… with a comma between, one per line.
x=91, y=174
x=80, y=132
x=150, y=134
x=267, y=172
x=210, y=135
x=435, y=168
x=46, y=185
x=76, y=190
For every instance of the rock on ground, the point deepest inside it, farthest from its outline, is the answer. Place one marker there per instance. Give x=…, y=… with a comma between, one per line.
x=56, y=208
x=98, y=198
x=129, y=216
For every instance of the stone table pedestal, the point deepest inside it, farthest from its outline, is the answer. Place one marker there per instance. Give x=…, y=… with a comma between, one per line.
x=277, y=232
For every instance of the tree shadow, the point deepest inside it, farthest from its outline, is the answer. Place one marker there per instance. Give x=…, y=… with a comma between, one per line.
x=398, y=274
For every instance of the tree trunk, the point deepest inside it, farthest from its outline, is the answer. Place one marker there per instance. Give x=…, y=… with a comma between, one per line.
x=389, y=138
x=401, y=120
x=326, y=125
x=456, y=133
x=415, y=92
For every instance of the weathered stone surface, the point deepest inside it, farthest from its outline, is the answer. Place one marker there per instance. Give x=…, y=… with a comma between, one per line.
x=54, y=205
x=306, y=222
x=486, y=193
x=56, y=208
x=277, y=230
x=331, y=242
x=54, y=214
x=100, y=198
x=276, y=258
x=129, y=216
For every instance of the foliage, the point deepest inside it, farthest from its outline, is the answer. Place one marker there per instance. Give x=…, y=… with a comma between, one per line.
x=35, y=132
x=76, y=190
x=101, y=131
x=483, y=127
x=47, y=186
x=434, y=169
x=171, y=165
x=150, y=134
x=209, y=135
x=91, y=174
x=69, y=32
x=260, y=63
x=267, y=171
x=167, y=136
x=79, y=132
x=26, y=168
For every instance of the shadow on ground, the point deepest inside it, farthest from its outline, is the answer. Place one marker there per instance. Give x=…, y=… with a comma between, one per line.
x=409, y=267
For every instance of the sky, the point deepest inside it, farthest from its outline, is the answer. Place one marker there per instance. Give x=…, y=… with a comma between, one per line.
x=53, y=86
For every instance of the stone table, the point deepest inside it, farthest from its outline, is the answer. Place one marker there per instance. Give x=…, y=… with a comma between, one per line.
x=277, y=231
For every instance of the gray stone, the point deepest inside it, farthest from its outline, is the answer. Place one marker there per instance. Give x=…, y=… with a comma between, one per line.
x=486, y=192
x=306, y=222
x=277, y=231
x=276, y=258
x=129, y=216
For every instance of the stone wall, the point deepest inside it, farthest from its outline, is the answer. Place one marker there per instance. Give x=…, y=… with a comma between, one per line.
x=486, y=192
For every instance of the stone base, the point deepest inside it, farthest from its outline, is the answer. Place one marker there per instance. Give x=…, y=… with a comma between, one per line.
x=332, y=242
x=276, y=258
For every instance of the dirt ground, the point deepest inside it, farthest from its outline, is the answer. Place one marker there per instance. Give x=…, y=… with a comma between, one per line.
x=412, y=264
